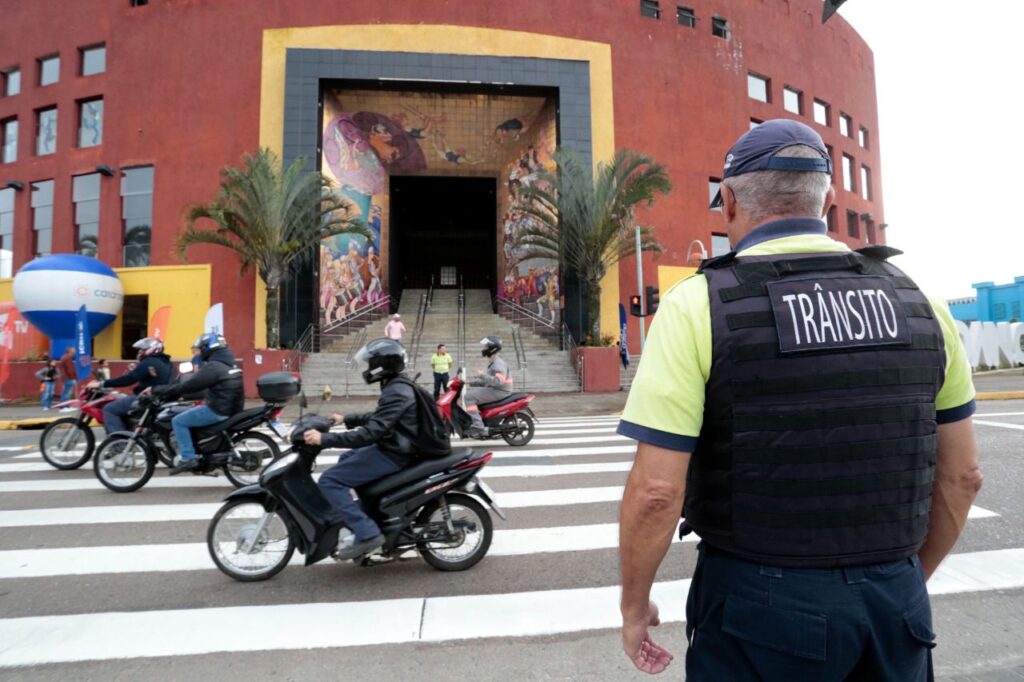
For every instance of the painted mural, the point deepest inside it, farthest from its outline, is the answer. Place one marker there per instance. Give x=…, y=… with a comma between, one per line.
x=369, y=135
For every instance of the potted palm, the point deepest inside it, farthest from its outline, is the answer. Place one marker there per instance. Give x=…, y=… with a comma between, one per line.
x=587, y=221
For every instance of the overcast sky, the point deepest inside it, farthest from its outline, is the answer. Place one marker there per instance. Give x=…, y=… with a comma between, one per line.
x=948, y=78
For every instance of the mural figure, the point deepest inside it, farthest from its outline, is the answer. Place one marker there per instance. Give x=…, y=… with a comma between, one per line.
x=456, y=156
x=426, y=123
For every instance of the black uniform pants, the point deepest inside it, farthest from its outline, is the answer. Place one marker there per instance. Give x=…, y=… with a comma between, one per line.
x=440, y=383
x=746, y=621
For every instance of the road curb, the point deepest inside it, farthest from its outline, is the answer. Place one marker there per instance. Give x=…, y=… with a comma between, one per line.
x=1000, y=395
x=26, y=424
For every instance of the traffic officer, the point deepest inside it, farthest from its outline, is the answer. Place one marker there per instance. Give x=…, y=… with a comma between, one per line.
x=809, y=410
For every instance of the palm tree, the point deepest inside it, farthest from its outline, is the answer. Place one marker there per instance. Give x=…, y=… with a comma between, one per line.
x=272, y=219
x=586, y=220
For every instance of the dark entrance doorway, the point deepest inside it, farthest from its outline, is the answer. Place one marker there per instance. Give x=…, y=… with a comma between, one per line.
x=442, y=222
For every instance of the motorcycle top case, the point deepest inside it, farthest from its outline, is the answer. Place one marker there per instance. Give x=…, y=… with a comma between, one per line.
x=278, y=386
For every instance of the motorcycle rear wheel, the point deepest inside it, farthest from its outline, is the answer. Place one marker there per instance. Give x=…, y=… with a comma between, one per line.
x=523, y=425
x=122, y=464
x=234, y=526
x=257, y=450
x=465, y=511
x=67, y=443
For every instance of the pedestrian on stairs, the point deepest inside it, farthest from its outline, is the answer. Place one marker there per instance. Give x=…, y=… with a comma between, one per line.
x=441, y=362
x=394, y=329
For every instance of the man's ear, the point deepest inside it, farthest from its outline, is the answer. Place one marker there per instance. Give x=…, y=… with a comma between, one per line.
x=728, y=204
x=830, y=197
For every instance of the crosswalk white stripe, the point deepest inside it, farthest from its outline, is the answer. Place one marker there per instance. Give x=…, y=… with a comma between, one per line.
x=1003, y=425
x=54, y=639
x=998, y=414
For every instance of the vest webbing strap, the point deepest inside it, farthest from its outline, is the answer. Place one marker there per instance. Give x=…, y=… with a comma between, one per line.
x=832, y=519
x=770, y=351
x=836, y=486
x=862, y=378
x=855, y=416
x=842, y=452
x=766, y=318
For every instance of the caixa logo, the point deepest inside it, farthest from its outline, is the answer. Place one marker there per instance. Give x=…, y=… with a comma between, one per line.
x=85, y=292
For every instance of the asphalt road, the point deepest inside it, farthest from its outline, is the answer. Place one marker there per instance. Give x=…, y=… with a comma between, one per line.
x=95, y=585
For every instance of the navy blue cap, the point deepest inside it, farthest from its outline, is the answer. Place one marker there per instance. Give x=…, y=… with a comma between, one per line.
x=756, y=150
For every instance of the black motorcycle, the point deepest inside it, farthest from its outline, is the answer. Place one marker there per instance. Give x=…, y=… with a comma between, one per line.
x=126, y=460
x=431, y=508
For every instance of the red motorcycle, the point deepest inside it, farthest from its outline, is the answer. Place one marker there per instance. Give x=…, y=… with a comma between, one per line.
x=511, y=417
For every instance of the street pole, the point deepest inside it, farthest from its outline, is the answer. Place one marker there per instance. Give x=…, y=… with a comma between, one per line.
x=640, y=285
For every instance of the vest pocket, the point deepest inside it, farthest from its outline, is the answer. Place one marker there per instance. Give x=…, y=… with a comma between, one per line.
x=792, y=632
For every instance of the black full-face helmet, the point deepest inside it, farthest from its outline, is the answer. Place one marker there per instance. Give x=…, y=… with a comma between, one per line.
x=489, y=346
x=384, y=358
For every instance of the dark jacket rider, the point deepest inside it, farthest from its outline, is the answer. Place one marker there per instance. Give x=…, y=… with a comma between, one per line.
x=384, y=442
x=153, y=369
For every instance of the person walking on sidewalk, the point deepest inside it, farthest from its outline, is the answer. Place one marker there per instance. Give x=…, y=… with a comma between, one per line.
x=394, y=328
x=68, y=375
x=47, y=378
x=440, y=362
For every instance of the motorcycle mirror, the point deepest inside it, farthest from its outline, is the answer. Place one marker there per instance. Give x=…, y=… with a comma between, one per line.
x=327, y=393
x=185, y=367
x=302, y=401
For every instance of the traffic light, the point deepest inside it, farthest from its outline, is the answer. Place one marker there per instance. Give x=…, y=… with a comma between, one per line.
x=634, y=306
x=651, y=299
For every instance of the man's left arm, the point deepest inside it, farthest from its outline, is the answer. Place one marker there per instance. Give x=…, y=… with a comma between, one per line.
x=389, y=410
x=650, y=510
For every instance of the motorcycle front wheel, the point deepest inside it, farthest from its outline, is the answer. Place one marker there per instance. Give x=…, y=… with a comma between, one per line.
x=521, y=429
x=474, y=531
x=252, y=452
x=247, y=542
x=67, y=443
x=123, y=464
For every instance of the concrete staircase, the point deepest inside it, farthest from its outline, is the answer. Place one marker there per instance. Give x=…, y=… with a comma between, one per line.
x=547, y=368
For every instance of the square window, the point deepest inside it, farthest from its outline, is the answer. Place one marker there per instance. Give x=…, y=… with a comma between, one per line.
x=849, y=183
x=137, y=215
x=720, y=28
x=831, y=218
x=139, y=3
x=719, y=245
x=792, y=100
x=685, y=16
x=46, y=131
x=12, y=82
x=9, y=137
x=650, y=8
x=94, y=60
x=865, y=182
x=758, y=87
x=49, y=70
x=90, y=123
x=845, y=125
x=869, y=230
x=863, y=137
x=821, y=112
x=714, y=184
x=853, y=224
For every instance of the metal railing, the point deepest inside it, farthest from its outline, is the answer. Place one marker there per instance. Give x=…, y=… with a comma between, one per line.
x=316, y=338
x=460, y=332
x=518, y=315
x=417, y=329
x=568, y=343
x=520, y=351
x=357, y=342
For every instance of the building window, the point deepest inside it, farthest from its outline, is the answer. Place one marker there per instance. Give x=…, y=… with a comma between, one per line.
x=6, y=232
x=853, y=224
x=9, y=136
x=650, y=8
x=46, y=131
x=85, y=194
x=865, y=182
x=849, y=183
x=719, y=27
x=94, y=60
x=719, y=245
x=863, y=137
x=792, y=100
x=714, y=184
x=137, y=214
x=139, y=3
x=90, y=123
x=758, y=87
x=754, y=122
x=869, y=230
x=845, y=125
x=49, y=70
x=686, y=16
x=831, y=218
x=42, y=217
x=12, y=81
x=821, y=112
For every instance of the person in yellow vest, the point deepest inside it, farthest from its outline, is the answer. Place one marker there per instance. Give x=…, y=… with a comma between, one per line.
x=441, y=362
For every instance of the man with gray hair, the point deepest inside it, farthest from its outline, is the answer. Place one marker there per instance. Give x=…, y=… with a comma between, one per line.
x=809, y=410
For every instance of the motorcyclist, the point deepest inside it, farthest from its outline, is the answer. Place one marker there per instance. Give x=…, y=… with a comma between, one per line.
x=491, y=385
x=383, y=442
x=153, y=369
x=224, y=395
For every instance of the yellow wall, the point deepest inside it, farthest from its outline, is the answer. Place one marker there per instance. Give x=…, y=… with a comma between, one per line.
x=670, y=275
x=186, y=288
x=442, y=39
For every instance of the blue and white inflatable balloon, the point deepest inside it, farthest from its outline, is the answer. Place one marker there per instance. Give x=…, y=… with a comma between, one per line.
x=50, y=290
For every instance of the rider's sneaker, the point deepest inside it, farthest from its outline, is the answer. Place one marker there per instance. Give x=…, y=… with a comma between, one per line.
x=184, y=465
x=360, y=548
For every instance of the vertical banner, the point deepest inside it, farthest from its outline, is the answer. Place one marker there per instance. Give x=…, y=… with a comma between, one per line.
x=623, y=343
x=160, y=322
x=214, y=322
x=83, y=344
x=8, y=344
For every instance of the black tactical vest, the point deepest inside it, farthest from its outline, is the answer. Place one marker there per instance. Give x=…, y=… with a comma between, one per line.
x=818, y=442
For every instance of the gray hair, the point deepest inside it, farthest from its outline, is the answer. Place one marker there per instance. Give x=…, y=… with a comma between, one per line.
x=767, y=193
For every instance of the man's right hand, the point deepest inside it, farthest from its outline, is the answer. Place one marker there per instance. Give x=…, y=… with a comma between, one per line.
x=93, y=385
x=312, y=437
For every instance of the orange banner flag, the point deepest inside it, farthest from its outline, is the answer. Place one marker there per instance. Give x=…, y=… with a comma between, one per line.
x=158, y=324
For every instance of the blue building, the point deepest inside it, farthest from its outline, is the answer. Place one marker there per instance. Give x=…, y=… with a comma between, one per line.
x=992, y=303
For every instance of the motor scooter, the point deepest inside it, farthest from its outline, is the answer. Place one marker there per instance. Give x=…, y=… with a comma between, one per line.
x=432, y=507
x=511, y=417
x=68, y=443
